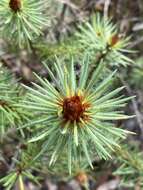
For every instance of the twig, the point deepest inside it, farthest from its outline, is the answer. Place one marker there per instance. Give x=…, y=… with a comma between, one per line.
x=106, y=8
x=60, y=21
x=5, y=163
x=68, y=3
x=137, y=42
x=15, y=157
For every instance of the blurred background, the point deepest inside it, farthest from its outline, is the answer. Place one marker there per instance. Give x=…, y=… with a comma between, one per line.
x=67, y=14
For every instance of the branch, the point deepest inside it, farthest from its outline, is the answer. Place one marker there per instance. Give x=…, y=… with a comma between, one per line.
x=106, y=8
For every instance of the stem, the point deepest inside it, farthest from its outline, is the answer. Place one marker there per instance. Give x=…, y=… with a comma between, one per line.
x=21, y=184
x=86, y=186
x=101, y=56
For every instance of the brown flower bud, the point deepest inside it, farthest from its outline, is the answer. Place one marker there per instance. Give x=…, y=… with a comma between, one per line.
x=15, y=5
x=114, y=40
x=74, y=108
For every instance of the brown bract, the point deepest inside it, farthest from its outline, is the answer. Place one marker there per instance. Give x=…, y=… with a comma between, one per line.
x=15, y=5
x=74, y=109
x=114, y=40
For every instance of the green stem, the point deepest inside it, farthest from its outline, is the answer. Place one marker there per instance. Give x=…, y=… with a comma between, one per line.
x=21, y=184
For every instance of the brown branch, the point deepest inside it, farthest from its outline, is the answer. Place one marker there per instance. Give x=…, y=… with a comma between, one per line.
x=60, y=21
x=68, y=3
x=106, y=8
